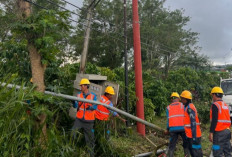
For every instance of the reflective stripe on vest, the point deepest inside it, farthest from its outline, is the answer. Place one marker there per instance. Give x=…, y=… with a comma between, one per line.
x=176, y=114
x=102, y=113
x=224, y=121
x=187, y=122
x=107, y=113
x=180, y=115
x=189, y=125
x=83, y=113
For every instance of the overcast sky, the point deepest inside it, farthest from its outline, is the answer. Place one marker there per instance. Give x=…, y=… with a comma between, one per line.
x=210, y=18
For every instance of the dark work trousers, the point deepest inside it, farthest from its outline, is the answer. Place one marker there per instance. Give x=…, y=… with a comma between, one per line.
x=195, y=147
x=102, y=128
x=221, y=143
x=88, y=132
x=173, y=141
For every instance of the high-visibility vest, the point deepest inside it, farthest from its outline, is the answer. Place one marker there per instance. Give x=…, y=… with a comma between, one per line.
x=187, y=122
x=176, y=114
x=102, y=113
x=82, y=113
x=223, y=116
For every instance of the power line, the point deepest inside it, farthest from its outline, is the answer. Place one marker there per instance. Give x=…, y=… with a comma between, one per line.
x=72, y=5
x=86, y=11
x=90, y=20
x=158, y=48
x=62, y=7
x=79, y=15
x=71, y=19
x=96, y=3
x=91, y=4
x=104, y=21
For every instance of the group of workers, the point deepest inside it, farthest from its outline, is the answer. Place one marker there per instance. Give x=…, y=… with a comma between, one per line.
x=87, y=112
x=183, y=120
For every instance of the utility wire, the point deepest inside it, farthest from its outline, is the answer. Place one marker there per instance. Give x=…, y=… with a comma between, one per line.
x=114, y=25
x=87, y=26
x=72, y=5
x=37, y=5
x=86, y=11
x=71, y=19
x=91, y=4
x=79, y=15
x=96, y=3
x=158, y=48
x=62, y=7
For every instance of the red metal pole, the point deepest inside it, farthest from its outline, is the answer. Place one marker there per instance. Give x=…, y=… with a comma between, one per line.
x=138, y=68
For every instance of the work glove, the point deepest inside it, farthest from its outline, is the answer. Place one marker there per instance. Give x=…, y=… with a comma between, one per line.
x=90, y=108
x=93, y=107
x=75, y=104
x=28, y=102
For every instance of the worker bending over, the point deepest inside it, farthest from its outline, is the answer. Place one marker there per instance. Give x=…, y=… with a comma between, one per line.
x=191, y=125
x=85, y=115
x=220, y=133
x=175, y=124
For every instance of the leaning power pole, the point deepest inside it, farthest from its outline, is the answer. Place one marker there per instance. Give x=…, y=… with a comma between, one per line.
x=86, y=40
x=138, y=68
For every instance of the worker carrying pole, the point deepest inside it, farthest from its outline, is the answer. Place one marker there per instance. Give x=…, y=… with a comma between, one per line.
x=103, y=114
x=175, y=124
x=220, y=133
x=85, y=115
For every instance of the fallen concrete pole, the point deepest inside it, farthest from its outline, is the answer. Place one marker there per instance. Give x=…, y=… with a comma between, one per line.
x=92, y=102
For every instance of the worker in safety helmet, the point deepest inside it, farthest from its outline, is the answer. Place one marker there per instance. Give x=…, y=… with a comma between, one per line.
x=85, y=115
x=220, y=133
x=191, y=125
x=175, y=124
x=102, y=113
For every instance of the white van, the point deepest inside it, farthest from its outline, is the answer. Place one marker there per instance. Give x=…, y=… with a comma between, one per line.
x=226, y=85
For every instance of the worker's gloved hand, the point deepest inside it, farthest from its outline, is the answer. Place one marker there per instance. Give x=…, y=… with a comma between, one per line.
x=75, y=104
x=28, y=102
x=90, y=108
x=93, y=107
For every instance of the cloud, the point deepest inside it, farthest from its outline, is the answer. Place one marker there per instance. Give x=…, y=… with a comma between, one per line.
x=212, y=19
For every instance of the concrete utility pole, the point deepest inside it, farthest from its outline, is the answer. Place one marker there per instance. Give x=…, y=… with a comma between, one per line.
x=86, y=41
x=138, y=68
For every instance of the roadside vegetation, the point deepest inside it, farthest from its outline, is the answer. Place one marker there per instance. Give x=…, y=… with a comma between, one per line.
x=34, y=124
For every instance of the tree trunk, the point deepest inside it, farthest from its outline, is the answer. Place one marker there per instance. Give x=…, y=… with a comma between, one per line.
x=37, y=71
x=37, y=68
x=167, y=65
x=38, y=79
